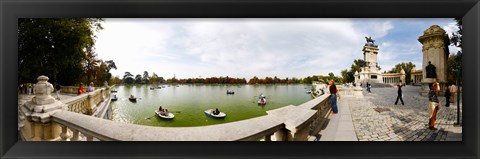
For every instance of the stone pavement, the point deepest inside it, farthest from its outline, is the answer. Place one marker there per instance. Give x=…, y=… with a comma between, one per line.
x=396, y=123
x=340, y=126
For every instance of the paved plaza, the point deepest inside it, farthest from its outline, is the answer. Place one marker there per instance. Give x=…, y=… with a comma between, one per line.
x=359, y=119
x=23, y=98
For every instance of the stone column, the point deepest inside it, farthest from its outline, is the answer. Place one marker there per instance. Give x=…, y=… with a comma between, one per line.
x=435, y=49
x=281, y=135
x=38, y=111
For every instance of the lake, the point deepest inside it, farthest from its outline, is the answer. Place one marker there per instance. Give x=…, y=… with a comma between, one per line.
x=188, y=103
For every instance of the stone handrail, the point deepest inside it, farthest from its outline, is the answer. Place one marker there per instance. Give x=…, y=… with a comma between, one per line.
x=287, y=123
x=86, y=103
x=107, y=130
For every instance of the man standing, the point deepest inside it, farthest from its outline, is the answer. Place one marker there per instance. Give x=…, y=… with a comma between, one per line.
x=433, y=106
x=368, y=87
x=399, y=95
x=447, y=95
x=453, y=91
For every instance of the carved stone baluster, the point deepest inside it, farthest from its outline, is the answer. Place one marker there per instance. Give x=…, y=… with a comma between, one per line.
x=89, y=137
x=268, y=137
x=76, y=135
x=65, y=135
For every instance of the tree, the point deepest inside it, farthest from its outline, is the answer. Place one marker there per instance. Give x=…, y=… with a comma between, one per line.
x=349, y=75
x=115, y=80
x=331, y=75
x=454, y=61
x=127, y=78
x=91, y=65
x=110, y=65
x=407, y=67
x=145, y=77
x=138, y=79
x=454, y=64
x=102, y=73
x=54, y=47
x=346, y=76
x=154, y=79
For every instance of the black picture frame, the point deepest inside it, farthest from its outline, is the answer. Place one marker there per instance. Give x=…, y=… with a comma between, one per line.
x=11, y=147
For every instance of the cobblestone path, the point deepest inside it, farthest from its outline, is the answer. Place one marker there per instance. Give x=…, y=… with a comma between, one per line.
x=400, y=122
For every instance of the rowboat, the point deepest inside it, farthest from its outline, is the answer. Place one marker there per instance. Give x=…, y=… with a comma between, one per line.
x=114, y=98
x=170, y=116
x=133, y=99
x=262, y=103
x=209, y=113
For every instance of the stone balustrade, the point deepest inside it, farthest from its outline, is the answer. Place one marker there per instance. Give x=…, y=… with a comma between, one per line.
x=76, y=119
x=87, y=103
x=290, y=123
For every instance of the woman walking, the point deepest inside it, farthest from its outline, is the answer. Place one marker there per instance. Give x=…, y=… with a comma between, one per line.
x=333, y=96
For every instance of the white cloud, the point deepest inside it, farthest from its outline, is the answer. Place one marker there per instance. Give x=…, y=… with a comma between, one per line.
x=244, y=47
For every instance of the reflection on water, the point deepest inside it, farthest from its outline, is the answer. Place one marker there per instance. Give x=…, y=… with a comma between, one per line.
x=188, y=103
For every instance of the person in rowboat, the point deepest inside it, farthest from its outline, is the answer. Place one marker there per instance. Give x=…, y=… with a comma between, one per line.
x=160, y=109
x=165, y=113
x=216, y=111
x=261, y=96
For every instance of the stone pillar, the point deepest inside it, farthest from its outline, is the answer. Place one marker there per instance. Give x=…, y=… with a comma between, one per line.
x=268, y=137
x=38, y=111
x=91, y=103
x=281, y=135
x=435, y=43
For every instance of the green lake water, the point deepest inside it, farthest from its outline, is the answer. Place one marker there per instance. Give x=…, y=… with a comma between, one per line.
x=188, y=103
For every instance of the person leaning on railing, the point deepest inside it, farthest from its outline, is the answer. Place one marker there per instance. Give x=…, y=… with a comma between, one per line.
x=90, y=87
x=80, y=89
x=333, y=96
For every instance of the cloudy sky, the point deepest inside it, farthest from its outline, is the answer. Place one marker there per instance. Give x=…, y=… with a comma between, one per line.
x=245, y=48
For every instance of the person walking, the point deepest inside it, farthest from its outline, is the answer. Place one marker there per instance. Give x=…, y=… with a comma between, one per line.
x=433, y=106
x=333, y=96
x=447, y=96
x=453, y=91
x=399, y=95
x=368, y=87
x=57, y=90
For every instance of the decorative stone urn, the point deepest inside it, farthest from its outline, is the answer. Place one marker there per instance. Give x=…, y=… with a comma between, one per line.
x=36, y=114
x=43, y=91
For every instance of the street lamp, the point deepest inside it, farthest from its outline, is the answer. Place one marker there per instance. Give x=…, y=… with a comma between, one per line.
x=458, y=71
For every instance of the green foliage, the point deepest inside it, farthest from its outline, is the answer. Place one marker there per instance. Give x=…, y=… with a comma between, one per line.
x=454, y=62
x=154, y=79
x=55, y=48
x=145, y=78
x=128, y=78
x=138, y=79
x=348, y=75
x=61, y=49
x=407, y=67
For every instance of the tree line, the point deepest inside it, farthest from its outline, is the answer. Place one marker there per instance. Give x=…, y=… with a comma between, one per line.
x=129, y=78
x=62, y=49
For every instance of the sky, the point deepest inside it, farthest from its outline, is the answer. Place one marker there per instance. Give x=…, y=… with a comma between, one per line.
x=243, y=48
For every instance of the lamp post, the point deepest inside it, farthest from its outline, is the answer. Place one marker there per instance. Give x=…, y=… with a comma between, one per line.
x=458, y=96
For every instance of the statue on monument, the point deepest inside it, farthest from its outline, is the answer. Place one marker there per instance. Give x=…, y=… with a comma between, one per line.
x=370, y=40
x=431, y=70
